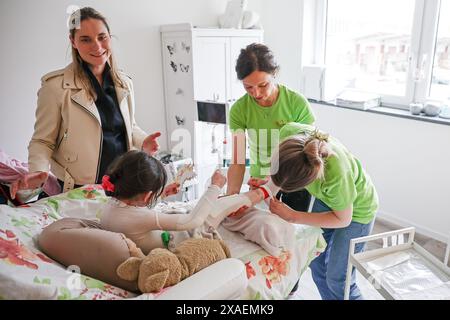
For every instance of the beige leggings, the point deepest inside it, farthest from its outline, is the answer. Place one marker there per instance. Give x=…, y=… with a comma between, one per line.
x=82, y=243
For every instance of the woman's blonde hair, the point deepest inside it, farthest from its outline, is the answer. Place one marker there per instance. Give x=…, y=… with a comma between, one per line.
x=75, y=20
x=301, y=160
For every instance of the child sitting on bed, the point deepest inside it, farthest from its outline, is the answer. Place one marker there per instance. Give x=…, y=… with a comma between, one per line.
x=136, y=180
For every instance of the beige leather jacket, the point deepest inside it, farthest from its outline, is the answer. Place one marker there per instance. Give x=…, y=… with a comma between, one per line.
x=67, y=132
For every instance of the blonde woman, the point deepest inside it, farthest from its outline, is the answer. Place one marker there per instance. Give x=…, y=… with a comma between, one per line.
x=345, y=197
x=85, y=112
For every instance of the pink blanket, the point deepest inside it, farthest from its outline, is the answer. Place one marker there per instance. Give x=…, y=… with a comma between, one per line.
x=12, y=169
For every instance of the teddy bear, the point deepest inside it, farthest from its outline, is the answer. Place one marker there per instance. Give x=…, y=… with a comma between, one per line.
x=163, y=268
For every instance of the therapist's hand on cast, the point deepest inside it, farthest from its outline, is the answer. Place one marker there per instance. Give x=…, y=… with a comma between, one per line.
x=280, y=209
x=257, y=182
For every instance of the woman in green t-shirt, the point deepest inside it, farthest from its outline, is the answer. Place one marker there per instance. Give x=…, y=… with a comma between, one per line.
x=311, y=160
x=261, y=113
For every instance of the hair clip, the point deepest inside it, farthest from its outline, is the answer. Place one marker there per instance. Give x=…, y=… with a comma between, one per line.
x=107, y=184
x=321, y=136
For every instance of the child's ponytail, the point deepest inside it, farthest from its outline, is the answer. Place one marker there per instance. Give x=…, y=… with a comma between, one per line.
x=134, y=173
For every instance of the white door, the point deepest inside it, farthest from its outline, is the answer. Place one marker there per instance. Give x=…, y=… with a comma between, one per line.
x=210, y=55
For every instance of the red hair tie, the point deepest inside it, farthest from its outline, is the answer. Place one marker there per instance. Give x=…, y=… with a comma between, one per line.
x=107, y=184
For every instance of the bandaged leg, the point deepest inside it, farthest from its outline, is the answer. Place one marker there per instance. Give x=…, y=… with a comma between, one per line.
x=272, y=233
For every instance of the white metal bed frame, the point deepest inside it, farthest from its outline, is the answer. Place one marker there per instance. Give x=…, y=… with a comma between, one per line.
x=397, y=244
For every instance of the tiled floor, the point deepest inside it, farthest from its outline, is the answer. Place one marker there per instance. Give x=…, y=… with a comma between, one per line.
x=307, y=289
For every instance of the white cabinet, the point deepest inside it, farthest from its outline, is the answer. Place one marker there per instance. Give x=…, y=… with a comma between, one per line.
x=214, y=59
x=211, y=68
x=199, y=65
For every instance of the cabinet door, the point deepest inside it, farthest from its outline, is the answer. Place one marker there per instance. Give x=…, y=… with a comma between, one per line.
x=210, y=55
x=236, y=44
x=180, y=107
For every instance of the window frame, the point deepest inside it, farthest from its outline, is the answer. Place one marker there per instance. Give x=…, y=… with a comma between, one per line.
x=422, y=50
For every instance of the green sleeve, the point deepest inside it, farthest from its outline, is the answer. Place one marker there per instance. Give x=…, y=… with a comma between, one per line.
x=237, y=119
x=305, y=114
x=338, y=190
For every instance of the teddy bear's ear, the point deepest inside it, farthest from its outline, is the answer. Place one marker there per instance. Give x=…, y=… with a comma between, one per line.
x=129, y=269
x=156, y=282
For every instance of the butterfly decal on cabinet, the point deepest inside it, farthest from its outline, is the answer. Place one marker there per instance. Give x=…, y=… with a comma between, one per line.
x=174, y=66
x=184, y=68
x=185, y=47
x=172, y=49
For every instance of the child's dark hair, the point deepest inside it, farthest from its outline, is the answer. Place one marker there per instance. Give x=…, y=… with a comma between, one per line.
x=255, y=57
x=136, y=172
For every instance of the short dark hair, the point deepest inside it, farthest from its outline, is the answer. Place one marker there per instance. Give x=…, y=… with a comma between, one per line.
x=136, y=172
x=255, y=57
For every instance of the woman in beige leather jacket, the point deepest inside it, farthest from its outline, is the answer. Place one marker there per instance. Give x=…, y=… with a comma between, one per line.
x=85, y=112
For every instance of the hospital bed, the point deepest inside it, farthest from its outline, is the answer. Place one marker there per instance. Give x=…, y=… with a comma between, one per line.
x=27, y=273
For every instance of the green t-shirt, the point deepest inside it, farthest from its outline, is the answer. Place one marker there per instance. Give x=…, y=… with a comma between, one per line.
x=345, y=182
x=263, y=124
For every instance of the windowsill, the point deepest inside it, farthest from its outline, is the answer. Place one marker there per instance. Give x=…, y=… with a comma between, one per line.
x=400, y=113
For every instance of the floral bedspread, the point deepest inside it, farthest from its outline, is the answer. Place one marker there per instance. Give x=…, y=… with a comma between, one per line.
x=274, y=277
x=27, y=273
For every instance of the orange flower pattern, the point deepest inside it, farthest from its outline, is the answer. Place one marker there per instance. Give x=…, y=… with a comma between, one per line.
x=249, y=269
x=14, y=252
x=274, y=268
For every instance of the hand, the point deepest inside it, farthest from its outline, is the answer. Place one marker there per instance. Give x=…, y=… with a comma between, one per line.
x=280, y=209
x=28, y=181
x=256, y=182
x=171, y=189
x=150, y=145
x=238, y=213
x=218, y=179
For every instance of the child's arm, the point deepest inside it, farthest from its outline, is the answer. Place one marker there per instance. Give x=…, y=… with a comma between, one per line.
x=209, y=207
x=205, y=206
x=330, y=219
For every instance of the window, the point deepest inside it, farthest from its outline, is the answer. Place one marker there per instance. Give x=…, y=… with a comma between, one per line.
x=440, y=79
x=371, y=52
x=399, y=49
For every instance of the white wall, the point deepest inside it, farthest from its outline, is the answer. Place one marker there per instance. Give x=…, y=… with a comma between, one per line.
x=408, y=161
x=34, y=41
x=283, y=34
